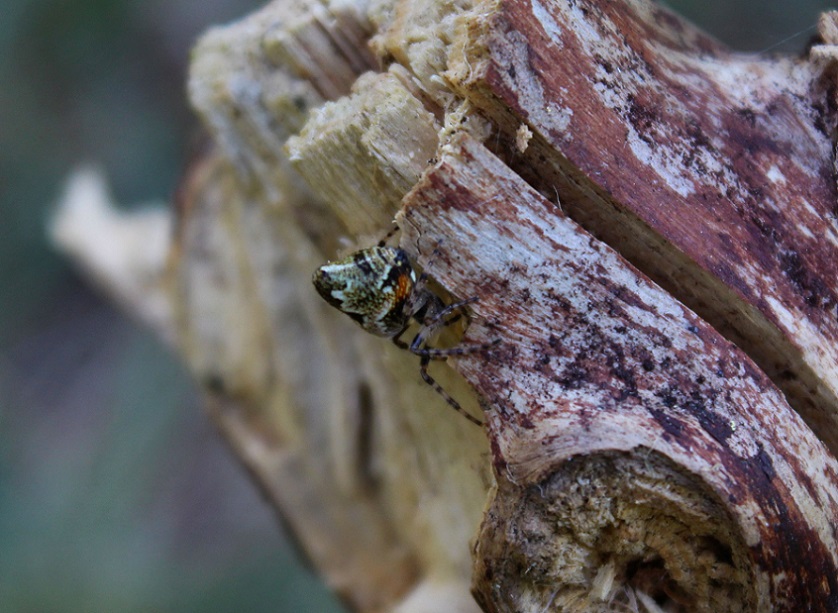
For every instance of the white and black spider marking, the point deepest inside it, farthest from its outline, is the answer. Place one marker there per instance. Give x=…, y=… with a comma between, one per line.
x=378, y=288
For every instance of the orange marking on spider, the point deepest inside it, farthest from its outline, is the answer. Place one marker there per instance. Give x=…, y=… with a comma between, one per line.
x=378, y=288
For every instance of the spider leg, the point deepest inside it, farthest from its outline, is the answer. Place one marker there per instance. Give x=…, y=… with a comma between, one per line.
x=456, y=306
x=400, y=343
x=438, y=321
x=440, y=354
x=389, y=235
x=426, y=354
x=423, y=369
x=454, y=319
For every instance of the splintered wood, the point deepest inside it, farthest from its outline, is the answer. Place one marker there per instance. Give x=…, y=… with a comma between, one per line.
x=649, y=225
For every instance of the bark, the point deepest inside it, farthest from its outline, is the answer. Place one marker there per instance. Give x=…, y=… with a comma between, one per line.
x=649, y=223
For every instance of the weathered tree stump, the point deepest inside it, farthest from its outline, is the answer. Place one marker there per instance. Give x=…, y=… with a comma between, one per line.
x=649, y=223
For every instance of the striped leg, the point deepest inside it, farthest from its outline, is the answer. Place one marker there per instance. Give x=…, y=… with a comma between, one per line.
x=423, y=369
x=389, y=235
x=436, y=320
x=433, y=353
x=432, y=320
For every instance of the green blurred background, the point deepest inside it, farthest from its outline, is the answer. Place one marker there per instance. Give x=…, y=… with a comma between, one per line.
x=115, y=492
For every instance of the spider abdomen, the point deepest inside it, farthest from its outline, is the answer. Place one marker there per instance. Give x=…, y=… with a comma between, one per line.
x=373, y=286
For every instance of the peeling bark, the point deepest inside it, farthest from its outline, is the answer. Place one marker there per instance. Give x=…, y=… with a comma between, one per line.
x=626, y=432
x=649, y=224
x=720, y=166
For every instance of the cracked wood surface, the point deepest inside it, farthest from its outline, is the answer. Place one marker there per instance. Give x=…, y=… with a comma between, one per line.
x=720, y=166
x=650, y=224
x=596, y=361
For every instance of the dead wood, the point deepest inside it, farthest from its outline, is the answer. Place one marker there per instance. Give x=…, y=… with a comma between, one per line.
x=650, y=225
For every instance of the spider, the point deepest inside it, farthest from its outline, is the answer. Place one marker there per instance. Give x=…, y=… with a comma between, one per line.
x=378, y=288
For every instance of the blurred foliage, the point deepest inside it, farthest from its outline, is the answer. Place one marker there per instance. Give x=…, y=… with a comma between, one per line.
x=761, y=26
x=115, y=493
